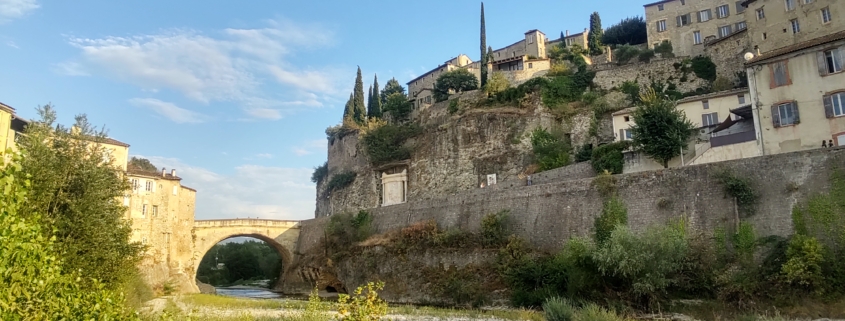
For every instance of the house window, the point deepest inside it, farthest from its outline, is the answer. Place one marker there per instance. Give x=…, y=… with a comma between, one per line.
x=741, y=26
x=761, y=14
x=705, y=104
x=175, y=188
x=790, y=5
x=149, y=186
x=765, y=36
x=683, y=2
x=659, y=7
x=627, y=118
x=126, y=200
x=530, y=65
x=709, y=119
x=808, y=1
x=627, y=134
x=155, y=210
x=831, y=61
x=144, y=210
x=785, y=114
x=135, y=184
x=704, y=15
x=696, y=37
x=741, y=99
x=683, y=20
x=796, y=28
x=724, y=31
x=826, y=15
x=723, y=11
x=780, y=74
x=739, y=7
x=661, y=26
x=834, y=105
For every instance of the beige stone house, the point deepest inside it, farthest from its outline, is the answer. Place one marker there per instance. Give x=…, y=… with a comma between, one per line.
x=774, y=24
x=798, y=94
x=421, y=89
x=725, y=131
x=688, y=24
x=579, y=39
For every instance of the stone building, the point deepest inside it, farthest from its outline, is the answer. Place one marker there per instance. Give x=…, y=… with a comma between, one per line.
x=775, y=24
x=725, y=131
x=798, y=95
x=421, y=89
x=688, y=24
x=579, y=39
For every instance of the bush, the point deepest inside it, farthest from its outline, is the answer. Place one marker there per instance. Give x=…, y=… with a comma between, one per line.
x=340, y=181
x=803, y=268
x=344, y=230
x=585, y=152
x=721, y=84
x=558, y=69
x=632, y=89
x=550, y=151
x=458, y=80
x=387, y=143
x=664, y=49
x=558, y=309
x=320, y=172
x=609, y=157
x=646, y=55
x=398, y=106
x=625, y=53
x=593, y=312
x=496, y=84
x=740, y=189
x=360, y=306
x=613, y=214
x=453, y=106
x=704, y=68
x=494, y=228
x=628, y=31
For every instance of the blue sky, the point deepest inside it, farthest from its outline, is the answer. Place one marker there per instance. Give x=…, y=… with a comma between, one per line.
x=237, y=97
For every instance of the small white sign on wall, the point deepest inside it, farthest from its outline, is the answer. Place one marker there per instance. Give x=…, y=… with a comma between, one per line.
x=491, y=179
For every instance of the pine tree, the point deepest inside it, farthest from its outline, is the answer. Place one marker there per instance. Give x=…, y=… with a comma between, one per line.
x=375, y=107
x=360, y=110
x=349, y=111
x=484, y=57
x=594, y=39
x=392, y=87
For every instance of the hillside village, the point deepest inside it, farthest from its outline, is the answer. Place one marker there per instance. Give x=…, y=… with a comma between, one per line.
x=738, y=71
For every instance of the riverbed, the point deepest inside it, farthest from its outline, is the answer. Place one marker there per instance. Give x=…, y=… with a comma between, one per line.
x=249, y=292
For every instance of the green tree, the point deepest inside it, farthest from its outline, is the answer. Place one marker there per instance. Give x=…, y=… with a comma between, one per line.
x=484, y=56
x=398, y=106
x=550, y=150
x=375, y=107
x=141, y=164
x=595, y=36
x=458, y=80
x=349, y=110
x=392, y=87
x=358, y=99
x=33, y=282
x=498, y=83
x=369, y=100
x=631, y=31
x=562, y=40
x=660, y=130
x=78, y=192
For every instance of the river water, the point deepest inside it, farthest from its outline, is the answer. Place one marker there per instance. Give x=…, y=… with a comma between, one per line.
x=249, y=292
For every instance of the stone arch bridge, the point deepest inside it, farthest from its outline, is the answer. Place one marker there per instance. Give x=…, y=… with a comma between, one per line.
x=281, y=235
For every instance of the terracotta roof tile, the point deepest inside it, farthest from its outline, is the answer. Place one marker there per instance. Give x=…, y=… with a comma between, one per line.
x=797, y=47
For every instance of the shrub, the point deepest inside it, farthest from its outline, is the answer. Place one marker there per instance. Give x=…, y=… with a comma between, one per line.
x=462, y=286
x=453, y=106
x=320, y=172
x=360, y=306
x=387, y=143
x=613, y=214
x=805, y=256
x=496, y=84
x=664, y=49
x=593, y=312
x=559, y=69
x=550, y=151
x=398, y=106
x=625, y=53
x=721, y=84
x=494, y=228
x=340, y=181
x=632, y=89
x=458, y=80
x=628, y=31
x=704, y=68
x=558, y=309
x=344, y=230
x=585, y=152
x=646, y=55
x=609, y=157
x=740, y=189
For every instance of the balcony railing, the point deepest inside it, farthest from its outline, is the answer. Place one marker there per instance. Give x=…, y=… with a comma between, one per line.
x=731, y=139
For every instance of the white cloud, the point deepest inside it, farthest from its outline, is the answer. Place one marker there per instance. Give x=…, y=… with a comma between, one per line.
x=12, y=9
x=301, y=151
x=264, y=155
x=169, y=110
x=231, y=65
x=251, y=191
x=310, y=147
x=70, y=68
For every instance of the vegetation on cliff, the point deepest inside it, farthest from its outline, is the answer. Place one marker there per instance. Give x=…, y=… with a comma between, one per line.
x=629, y=31
x=551, y=150
x=595, y=36
x=457, y=80
x=660, y=130
x=388, y=143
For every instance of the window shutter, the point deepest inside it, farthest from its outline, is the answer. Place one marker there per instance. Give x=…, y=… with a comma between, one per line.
x=621, y=134
x=678, y=20
x=709, y=13
x=822, y=63
x=771, y=76
x=795, y=111
x=716, y=118
x=698, y=15
x=775, y=116
x=842, y=56
x=727, y=11
x=828, y=106
x=704, y=120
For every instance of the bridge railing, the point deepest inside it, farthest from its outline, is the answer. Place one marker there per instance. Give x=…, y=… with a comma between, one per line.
x=245, y=222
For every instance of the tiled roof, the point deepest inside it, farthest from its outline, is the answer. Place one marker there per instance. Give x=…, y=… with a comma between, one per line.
x=188, y=188
x=797, y=47
x=717, y=94
x=624, y=111
x=140, y=172
x=656, y=3
x=7, y=107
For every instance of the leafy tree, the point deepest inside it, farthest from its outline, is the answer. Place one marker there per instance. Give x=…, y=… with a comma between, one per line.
x=398, y=106
x=484, y=57
x=358, y=99
x=594, y=39
x=632, y=89
x=349, y=110
x=630, y=31
x=78, y=195
x=249, y=260
x=375, y=106
x=660, y=130
x=608, y=157
x=498, y=83
x=392, y=87
x=141, y=164
x=551, y=151
x=33, y=283
x=458, y=80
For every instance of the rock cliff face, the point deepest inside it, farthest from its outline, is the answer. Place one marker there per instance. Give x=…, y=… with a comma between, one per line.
x=455, y=152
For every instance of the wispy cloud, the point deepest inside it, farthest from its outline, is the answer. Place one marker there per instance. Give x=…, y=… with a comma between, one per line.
x=169, y=110
x=233, y=65
x=310, y=147
x=12, y=44
x=250, y=191
x=70, y=68
x=13, y=9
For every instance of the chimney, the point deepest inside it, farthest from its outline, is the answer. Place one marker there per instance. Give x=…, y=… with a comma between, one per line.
x=585, y=30
x=567, y=33
x=757, y=48
x=163, y=174
x=173, y=172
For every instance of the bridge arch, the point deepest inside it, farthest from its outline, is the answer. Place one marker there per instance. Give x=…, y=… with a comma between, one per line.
x=281, y=235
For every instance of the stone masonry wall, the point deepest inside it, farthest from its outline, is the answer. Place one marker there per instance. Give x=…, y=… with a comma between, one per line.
x=662, y=70
x=347, y=154
x=727, y=54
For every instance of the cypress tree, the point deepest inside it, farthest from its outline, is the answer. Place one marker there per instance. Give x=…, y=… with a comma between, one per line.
x=594, y=39
x=375, y=106
x=370, y=100
x=484, y=57
x=349, y=111
x=562, y=40
x=360, y=110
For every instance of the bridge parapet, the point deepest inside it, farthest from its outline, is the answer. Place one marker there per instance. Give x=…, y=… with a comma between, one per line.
x=245, y=222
